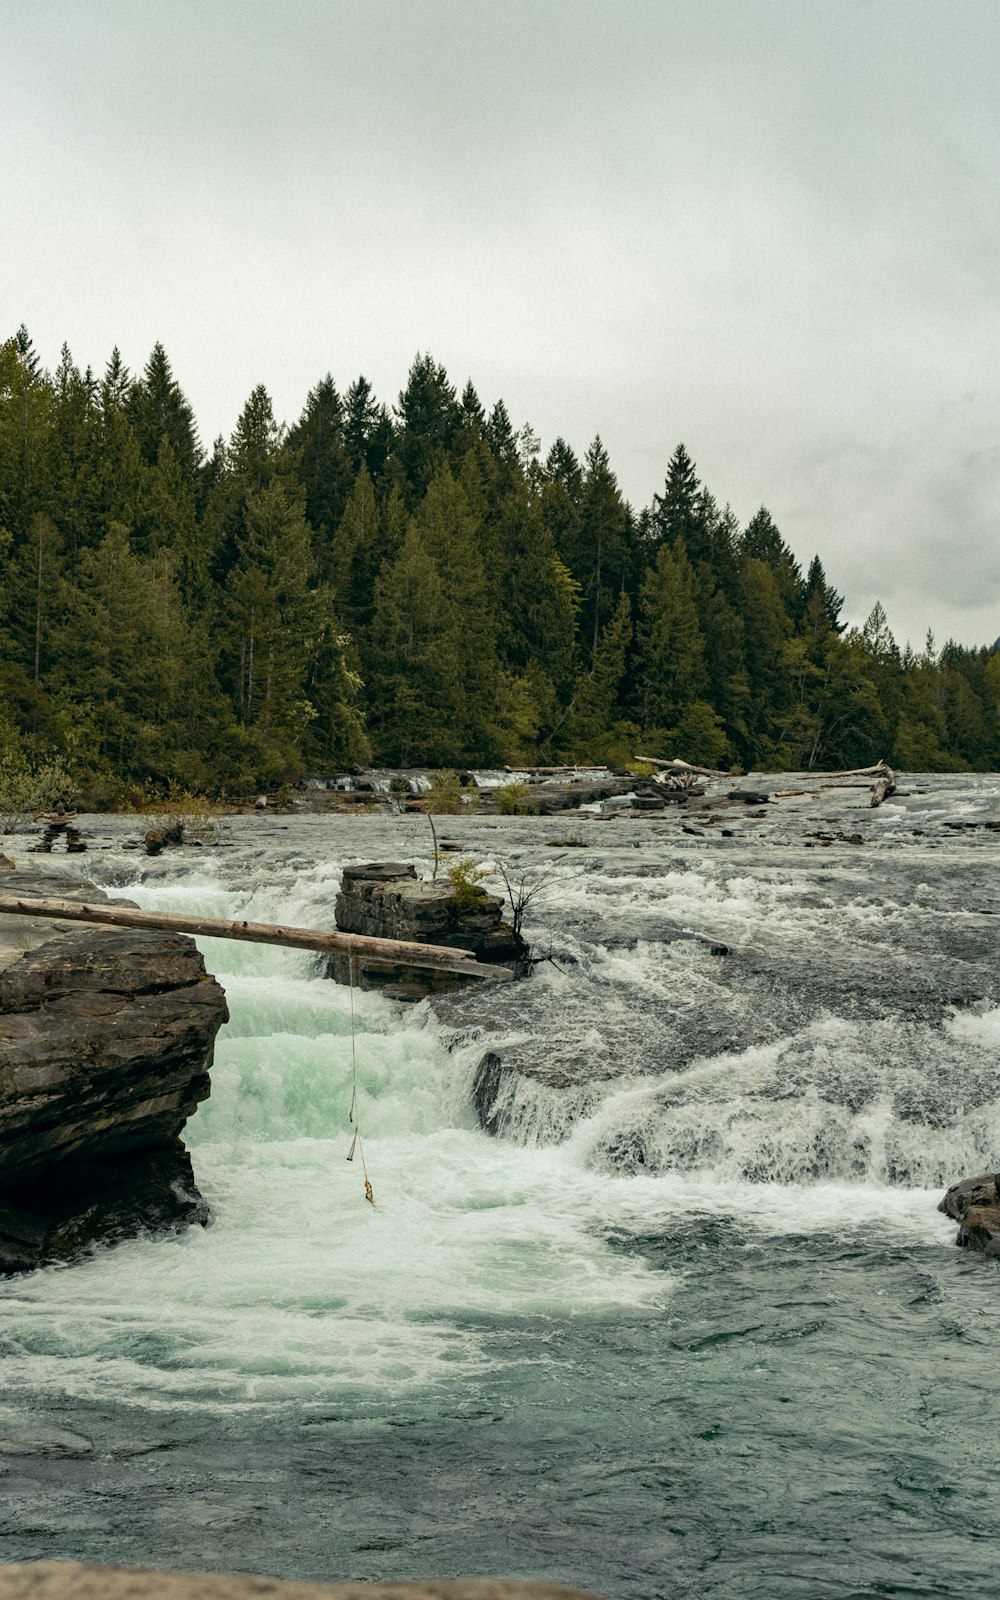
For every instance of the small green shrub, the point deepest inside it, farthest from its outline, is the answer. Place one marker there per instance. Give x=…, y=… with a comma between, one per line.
x=193, y=816
x=640, y=769
x=466, y=878
x=514, y=800
x=27, y=787
x=446, y=797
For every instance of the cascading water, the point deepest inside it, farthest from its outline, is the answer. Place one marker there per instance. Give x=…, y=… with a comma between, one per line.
x=688, y=1324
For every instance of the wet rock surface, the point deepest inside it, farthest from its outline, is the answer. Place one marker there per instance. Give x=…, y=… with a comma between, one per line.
x=106, y=1040
x=752, y=973
x=386, y=900
x=975, y=1205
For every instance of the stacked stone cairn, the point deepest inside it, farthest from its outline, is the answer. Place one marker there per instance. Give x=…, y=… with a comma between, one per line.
x=61, y=824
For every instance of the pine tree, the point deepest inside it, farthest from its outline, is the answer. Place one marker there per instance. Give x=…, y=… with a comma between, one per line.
x=821, y=598
x=599, y=557
x=322, y=463
x=123, y=661
x=25, y=413
x=357, y=554
x=500, y=435
x=452, y=538
x=158, y=410
x=428, y=432
x=763, y=542
x=255, y=448
x=670, y=668
x=368, y=431
x=272, y=619
x=562, y=467
x=679, y=511
x=116, y=385
x=768, y=628
x=473, y=422
x=167, y=521
x=416, y=676
x=590, y=729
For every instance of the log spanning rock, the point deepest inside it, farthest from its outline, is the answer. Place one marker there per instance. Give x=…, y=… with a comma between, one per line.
x=386, y=900
x=975, y=1206
x=106, y=1039
x=120, y=915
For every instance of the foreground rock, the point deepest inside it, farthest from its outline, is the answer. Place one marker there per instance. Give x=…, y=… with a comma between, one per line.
x=975, y=1205
x=386, y=900
x=106, y=1039
x=74, y=1580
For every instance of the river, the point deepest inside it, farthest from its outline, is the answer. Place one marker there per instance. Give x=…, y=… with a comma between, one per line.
x=686, y=1324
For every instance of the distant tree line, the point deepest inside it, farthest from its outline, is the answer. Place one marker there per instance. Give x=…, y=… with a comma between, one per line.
x=414, y=586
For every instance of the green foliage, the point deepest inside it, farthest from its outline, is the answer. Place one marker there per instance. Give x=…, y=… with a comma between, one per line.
x=185, y=816
x=466, y=877
x=29, y=784
x=515, y=800
x=446, y=796
x=429, y=588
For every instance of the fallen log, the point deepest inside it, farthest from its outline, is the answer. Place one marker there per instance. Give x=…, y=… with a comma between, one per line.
x=884, y=788
x=440, y=958
x=681, y=766
x=877, y=771
x=577, y=768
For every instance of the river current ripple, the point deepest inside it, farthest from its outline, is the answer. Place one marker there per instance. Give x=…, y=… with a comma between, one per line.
x=687, y=1324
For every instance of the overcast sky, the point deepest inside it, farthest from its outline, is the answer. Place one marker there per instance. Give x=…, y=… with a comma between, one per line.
x=768, y=228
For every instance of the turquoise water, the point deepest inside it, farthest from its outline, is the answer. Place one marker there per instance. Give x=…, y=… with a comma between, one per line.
x=747, y=1362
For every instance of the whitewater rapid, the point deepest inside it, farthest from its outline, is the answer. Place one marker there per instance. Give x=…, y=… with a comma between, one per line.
x=512, y=1265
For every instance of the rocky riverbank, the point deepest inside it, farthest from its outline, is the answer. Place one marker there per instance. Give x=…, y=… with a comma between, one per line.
x=106, y=1039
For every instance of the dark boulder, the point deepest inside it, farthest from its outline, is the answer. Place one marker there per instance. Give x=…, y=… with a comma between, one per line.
x=975, y=1205
x=106, y=1039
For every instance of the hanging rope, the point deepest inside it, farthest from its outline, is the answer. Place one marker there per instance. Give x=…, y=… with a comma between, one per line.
x=357, y=1143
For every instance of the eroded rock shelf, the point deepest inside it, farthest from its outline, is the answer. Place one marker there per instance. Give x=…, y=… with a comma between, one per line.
x=106, y=1039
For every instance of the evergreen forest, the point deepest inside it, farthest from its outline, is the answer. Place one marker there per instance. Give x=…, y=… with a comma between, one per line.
x=410, y=586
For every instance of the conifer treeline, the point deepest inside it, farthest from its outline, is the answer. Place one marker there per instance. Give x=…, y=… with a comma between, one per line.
x=416, y=586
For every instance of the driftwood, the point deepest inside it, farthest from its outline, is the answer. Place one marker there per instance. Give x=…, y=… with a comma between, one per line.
x=671, y=771
x=884, y=786
x=681, y=766
x=543, y=770
x=398, y=951
x=880, y=769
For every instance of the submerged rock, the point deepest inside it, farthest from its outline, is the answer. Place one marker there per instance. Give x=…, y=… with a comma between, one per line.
x=106, y=1038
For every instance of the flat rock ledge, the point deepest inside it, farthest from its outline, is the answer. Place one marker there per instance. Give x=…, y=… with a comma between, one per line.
x=73, y=1580
x=975, y=1205
x=386, y=900
x=106, y=1040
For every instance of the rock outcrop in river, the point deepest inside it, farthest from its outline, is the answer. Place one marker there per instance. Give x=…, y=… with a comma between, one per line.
x=106, y=1039
x=386, y=900
x=975, y=1205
